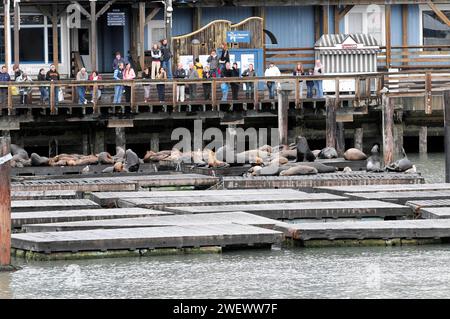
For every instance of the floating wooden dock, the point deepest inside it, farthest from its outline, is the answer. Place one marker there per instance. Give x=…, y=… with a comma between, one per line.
x=402, y=197
x=329, y=179
x=222, y=235
x=340, y=190
x=435, y=213
x=51, y=204
x=33, y=195
x=160, y=203
x=330, y=209
x=406, y=229
x=55, y=216
x=109, y=199
x=419, y=204
x=154, y=221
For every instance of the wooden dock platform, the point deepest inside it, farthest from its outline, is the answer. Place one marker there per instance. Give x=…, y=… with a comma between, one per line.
x=406, y=229
x=340, y=190
x=145, y=238
x=160, y=203
x=51, y=204
x=34, y=195
x=329, y=179
x=56, y=216
x=402, y=197
x=109, y=199
x=155, y=221
x=435, y=213
x=307, y=210
x=419, y=204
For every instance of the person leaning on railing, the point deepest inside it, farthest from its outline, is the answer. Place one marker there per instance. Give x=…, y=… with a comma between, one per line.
x=162, y=75
x=226, y=73
x=180, y=73
x=53, y=75
x=118, y=89
x=95, y=76
x=4, y=77
x=318, y=70
x=24, y=91
x=42, y=89
x=146, y=75
x=207, y=86
x=236, y=73
x=249, y=86
x=128, y=74
x=82, y=75
x=192, y=75
x=166, y=56
x=213, y=61
x=156, y=60
x=272, y=70
x=299, y=71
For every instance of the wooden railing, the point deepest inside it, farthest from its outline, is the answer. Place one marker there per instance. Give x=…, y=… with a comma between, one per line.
x=287, y=58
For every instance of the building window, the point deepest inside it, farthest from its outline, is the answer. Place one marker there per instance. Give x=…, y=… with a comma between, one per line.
x=31, y=42
x=435, y=32
x=366, y=19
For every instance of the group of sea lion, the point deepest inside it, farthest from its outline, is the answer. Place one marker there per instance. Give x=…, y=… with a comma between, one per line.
x=123, y=161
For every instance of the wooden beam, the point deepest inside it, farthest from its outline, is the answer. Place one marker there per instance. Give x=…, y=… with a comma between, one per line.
x=330, y=131
x=405, y=30
x=388, y=130
x=55, y=35
x=7, y=28
x=5, y=203
x=197, y=19
x=439, y=13
x=345, y=10
x=16, y=33
x=142, y=35
x=82, y=10
x=93, y=35
x=152, y=14
x=336, y=19
x=387, y=18
x=325, y=18
x=316, y=23
x=104, y=9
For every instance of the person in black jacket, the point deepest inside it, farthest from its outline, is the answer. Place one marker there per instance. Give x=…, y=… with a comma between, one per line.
x=53, y=75
x=224, y=57
x=180, y=73
x=235, y=86
x=166, y=56
x=207, y=86
x=249, y=86
x=42, y=89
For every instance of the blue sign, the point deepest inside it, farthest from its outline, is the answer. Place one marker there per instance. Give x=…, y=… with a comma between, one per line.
x=238, y=36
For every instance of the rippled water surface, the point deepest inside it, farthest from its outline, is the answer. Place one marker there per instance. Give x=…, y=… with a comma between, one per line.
x=366, y=272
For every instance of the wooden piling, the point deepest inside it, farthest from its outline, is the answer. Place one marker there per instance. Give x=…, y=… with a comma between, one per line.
x=154, y=142
x=340, y=139
x=283, y=109
x=120, y=137
x=398, y=140
x=330, y=122
x=423, y=140
x=388, y=130
x=447, y=134
x=358, y=138
x=5, y=204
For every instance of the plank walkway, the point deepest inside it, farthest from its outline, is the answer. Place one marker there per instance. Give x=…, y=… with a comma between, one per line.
x=51, y=204
x=402, y=197
x=154, y=221
x=55, y=216
x=330, y=209
x=68, y=194
x=435, y=213
x=160, y=203
x=145, y=238
x=409, y=229
x=418, y=204
x=330, y=179
x=340, y=190
x=111, y=198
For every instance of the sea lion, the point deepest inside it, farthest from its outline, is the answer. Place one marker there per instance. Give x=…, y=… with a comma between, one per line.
x=299, y=170
x=118, y=167
x=374, y=161
x=266, y=148
x=346, y=169
x=328, y=153
x=279, y=160
x=412, y=170
x=120, y=154
x=271, y=170
x=132, y=162
x=304, y=154
x=289, y=154
x=354, y=154
x=105, y=158
x=108, y=170
x=321, y=168
x=20, y=152
x=401, y=165
x=316, y=153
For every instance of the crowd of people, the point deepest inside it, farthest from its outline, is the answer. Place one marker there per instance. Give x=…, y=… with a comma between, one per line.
x=217, y=66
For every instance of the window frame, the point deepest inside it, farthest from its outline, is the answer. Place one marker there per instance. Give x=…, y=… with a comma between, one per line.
x=363, y=9
x=424, y=7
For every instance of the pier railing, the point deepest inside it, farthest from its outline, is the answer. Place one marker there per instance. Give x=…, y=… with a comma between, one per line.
x=208, y=94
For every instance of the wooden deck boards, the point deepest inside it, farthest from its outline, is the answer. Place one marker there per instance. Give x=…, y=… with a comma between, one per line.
x=111, y=198
x=329, y=179
x=435, y=213
x=330, y=209
x=418, y=204
x=51, y=204
x=160, y=203
x=340, y=190
x=409, y=229
x=19, y=219
x=402, y=197
x=155, y=221
x=145, y=238
x=34, y=195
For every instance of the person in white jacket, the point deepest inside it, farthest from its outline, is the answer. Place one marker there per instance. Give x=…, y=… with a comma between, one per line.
x=272, y=70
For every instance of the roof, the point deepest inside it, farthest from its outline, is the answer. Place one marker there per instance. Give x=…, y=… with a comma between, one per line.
x=331, y=40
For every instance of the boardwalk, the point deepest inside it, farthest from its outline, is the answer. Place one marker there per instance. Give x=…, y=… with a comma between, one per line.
x=340, y=190
x=51, y=204
x=330, y=209
x=402, y=197
x=68, y=194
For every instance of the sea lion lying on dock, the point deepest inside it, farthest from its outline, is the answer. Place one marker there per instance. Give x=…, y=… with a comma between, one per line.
x=354, y=154
x=105, y=158
x=299, y=170
x=37, y=160
x=374, y=161
x=328, y=153
x=400, y=165
x=132, y=162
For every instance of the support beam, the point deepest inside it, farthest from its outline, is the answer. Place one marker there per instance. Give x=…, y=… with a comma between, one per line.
x=5, y=203
x=358, y=138
x=388, y=130
x=7, y=34
x=330, y=132
x=340, y=139
x=447, y=134
x=16, y=33
x=85, y=144
x=55, y=35
x=141, y=46
x=197, y=19
x=441, y=15
x=325, y=18
x=82, y=10
x=93, y=35
x=398, y=140
x=283, y=108
x=336, y=19
x=317, y=23
x=152, y=14
x=405, y=31
x=154, y=142
x=99, y=141
x=120, y=137
x=104, y=9
x=387, y=21
x=423, y=140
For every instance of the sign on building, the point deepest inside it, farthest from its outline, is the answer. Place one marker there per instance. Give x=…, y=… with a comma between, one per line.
x=238, y=36
x=116, y=18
